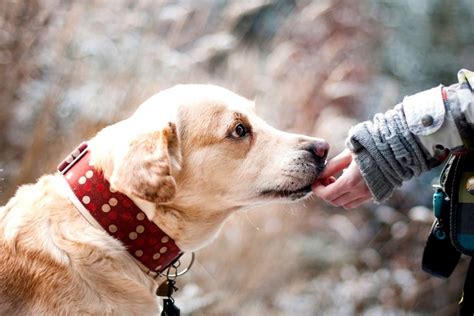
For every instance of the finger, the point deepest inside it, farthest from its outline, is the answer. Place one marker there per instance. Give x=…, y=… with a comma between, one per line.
x=330, y=192
x=324, y=182
x=346, y=198
x=337, y=164
x=355, y=193
x=356, y=203
x=328, y=181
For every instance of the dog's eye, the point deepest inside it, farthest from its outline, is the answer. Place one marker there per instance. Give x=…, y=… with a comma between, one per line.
x=239, y=131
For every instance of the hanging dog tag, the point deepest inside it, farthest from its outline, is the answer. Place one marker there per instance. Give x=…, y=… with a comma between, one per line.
x=169, y=309
x=165, y=289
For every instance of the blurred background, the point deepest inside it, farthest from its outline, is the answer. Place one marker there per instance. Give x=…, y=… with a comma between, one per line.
x=69, y=68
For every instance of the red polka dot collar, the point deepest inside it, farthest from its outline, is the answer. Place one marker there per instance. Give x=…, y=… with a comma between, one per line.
x=116, y=213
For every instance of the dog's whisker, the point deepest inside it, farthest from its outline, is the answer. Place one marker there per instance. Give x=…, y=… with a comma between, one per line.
x=251, y=223
x=292, y=210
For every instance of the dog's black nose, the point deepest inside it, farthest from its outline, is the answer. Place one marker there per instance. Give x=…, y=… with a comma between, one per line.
x=319, y=148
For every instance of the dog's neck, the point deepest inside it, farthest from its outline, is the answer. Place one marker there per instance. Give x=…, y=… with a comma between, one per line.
x=190, y=234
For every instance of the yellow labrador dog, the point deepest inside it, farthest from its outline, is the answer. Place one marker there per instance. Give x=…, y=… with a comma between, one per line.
x=188, y=158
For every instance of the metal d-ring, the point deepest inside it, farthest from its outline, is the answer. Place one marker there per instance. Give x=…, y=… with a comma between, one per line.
x=176, y=265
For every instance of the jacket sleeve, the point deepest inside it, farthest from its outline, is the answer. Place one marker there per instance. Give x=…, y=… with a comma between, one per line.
x=415, y=136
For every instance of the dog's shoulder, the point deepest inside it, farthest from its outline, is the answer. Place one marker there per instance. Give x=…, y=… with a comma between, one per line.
x=24, y=258
x=52, y=261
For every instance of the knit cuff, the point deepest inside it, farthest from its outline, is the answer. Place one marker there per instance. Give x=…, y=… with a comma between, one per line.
x=378, y=184
x=386, y=152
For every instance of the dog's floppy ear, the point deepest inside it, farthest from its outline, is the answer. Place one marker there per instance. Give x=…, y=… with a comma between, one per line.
x=145, y=171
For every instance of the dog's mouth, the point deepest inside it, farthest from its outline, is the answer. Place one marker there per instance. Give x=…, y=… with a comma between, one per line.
x=288, y=194
x=298, y=193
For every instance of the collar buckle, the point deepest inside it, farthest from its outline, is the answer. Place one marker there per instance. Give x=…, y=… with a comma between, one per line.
x=72, y=158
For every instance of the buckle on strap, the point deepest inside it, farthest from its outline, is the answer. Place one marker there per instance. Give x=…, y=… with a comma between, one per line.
x=72, y=158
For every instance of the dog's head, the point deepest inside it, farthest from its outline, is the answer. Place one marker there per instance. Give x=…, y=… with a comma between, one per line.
x=202, y=148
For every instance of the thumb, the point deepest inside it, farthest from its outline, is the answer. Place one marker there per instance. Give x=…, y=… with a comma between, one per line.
x=337, y=164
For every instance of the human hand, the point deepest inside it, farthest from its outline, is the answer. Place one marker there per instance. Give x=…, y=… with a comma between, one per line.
x=349, y=190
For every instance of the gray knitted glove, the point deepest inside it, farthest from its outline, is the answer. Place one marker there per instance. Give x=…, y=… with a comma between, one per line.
x=387, y=152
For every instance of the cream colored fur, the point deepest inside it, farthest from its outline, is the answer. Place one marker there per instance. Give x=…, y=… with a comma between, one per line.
x=179, y=158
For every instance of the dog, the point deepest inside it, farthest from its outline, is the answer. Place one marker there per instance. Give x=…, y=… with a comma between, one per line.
x=189, y=157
